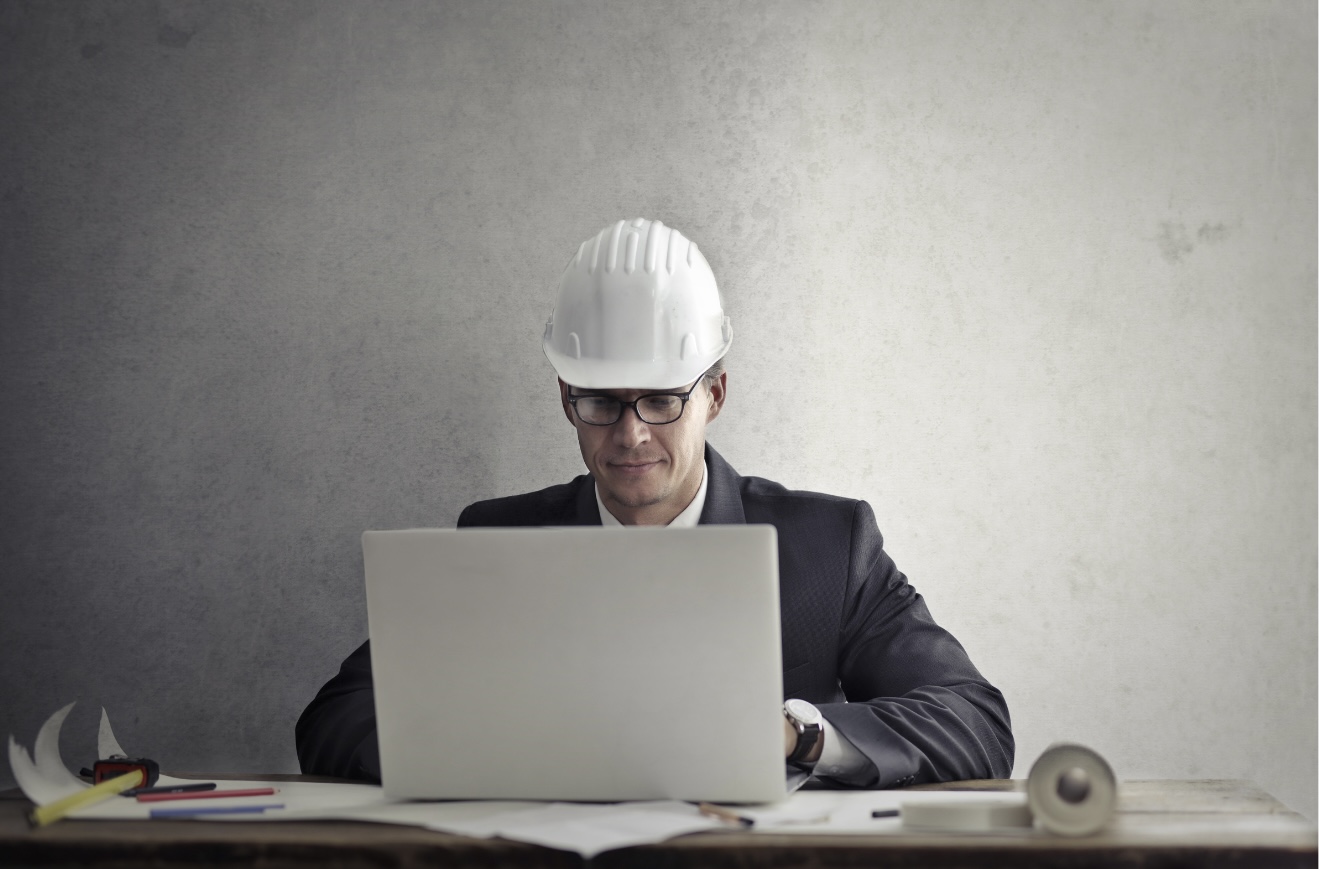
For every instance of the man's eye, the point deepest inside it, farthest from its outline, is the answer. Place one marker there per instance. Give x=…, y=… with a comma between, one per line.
x=594, y=404
x=660, y=402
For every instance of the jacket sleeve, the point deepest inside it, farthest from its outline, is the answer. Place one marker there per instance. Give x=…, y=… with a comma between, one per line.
x=336, y=734
x=917, y=707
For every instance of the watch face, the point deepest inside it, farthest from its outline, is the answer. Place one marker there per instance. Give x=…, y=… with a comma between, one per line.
x=802, y=711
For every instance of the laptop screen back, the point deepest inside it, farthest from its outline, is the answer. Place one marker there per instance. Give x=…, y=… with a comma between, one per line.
x=577, y=663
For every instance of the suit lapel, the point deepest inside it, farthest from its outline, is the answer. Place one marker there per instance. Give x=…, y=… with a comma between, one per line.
x=588, y=511
x=723, y=496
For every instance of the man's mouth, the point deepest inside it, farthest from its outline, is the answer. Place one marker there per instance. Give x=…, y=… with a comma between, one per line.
x=634, y=467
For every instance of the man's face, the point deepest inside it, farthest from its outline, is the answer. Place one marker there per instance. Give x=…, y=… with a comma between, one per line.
x=647, y=474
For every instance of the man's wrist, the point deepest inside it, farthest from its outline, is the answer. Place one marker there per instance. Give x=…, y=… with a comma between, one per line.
x=790, y=738
x=805, y=723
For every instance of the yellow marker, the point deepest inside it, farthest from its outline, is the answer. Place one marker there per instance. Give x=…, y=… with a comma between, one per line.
x=51, y=812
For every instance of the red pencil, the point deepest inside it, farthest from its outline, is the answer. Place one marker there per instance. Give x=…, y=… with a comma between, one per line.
x=206, y=795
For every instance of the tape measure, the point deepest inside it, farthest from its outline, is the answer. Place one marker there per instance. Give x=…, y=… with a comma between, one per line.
x=117, y=765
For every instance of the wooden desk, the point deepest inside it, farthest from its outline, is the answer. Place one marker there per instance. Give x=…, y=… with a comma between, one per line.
x=1159, y=824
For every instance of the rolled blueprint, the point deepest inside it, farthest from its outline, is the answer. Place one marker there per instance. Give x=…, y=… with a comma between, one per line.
x=1071, y=790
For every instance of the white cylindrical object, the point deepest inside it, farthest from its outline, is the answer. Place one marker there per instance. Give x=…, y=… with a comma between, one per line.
x=970, y=816
x=1072, y=790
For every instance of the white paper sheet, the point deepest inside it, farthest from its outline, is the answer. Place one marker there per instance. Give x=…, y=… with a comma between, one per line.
x=588, y=828
x=42, y=775
x=301, y=801
x=850, y=812
x=106, y=744
x=462, y=818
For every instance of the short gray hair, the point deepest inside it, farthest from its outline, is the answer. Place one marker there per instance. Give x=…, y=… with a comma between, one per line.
x=712, y=373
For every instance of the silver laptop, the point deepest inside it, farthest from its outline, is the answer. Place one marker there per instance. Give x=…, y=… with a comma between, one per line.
x=577, y=663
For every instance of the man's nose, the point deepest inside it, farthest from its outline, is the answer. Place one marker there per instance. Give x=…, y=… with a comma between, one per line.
x=630, y=431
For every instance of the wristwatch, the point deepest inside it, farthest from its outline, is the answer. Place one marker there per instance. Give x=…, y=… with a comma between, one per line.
x=807, y=721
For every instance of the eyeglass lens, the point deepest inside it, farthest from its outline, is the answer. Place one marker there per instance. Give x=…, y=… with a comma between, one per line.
x=654, y=409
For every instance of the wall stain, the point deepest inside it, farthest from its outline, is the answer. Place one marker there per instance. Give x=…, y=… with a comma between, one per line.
x=91, y=49
x=1175, y=242
x=172, y=37
x=1213, y=233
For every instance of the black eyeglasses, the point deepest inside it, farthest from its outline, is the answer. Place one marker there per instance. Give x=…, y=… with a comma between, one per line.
x=657, y=408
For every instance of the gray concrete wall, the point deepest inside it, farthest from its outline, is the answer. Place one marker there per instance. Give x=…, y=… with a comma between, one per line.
x=1037, y=279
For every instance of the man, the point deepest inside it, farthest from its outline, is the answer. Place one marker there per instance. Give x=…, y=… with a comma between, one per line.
x=878, y=695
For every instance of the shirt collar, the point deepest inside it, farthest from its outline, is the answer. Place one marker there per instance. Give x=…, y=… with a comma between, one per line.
x=688, y=518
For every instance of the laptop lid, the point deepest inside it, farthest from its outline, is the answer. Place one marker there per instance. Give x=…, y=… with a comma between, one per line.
x=577, y=663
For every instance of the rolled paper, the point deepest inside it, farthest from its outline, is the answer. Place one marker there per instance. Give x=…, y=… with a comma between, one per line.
x=1071, y=790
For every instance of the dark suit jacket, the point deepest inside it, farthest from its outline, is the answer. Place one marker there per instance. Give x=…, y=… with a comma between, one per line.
x=858, y=641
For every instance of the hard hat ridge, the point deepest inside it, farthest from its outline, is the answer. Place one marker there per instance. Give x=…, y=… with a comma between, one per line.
x=677, y=247
x=637, y=308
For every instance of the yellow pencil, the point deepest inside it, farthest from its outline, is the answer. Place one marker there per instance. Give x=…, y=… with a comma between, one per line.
x=50, y=812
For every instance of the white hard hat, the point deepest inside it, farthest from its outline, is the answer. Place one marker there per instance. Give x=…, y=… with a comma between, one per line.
x=638, y=308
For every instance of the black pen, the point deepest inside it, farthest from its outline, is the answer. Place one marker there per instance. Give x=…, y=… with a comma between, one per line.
x=172, y=789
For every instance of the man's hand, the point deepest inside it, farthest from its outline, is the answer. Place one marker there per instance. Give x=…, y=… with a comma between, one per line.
x=790, y=742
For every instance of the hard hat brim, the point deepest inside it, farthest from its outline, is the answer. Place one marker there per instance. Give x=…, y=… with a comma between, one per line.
x=616, y=374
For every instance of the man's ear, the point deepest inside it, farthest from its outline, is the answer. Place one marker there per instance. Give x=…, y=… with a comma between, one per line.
x=718, y=392
x=563, y=399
